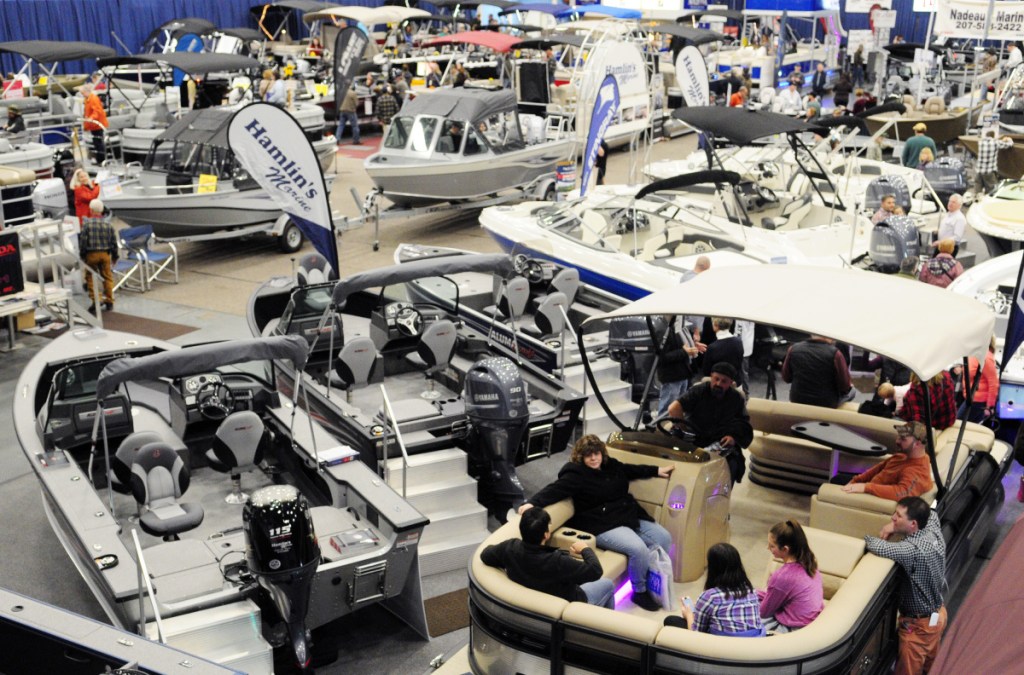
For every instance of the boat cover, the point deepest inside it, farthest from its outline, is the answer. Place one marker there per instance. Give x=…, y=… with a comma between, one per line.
x=201, y=359
x=500, y=4
x=732, y=14
x=534, y=7
x=301, y=5
x=606, y=10
x=495, y=263
x=905, y=51
x=193, y=63
x=53, y=51
x=918, y=325
x=248, y=34
x=461, y=103
x=687, y=179
x=368, y=16
x=558, y=40
x=498, y=42
x=208, y=126
x=843, y=121
x=696, y=36
x=190, y=24
x=739, y=125
x=884, y=108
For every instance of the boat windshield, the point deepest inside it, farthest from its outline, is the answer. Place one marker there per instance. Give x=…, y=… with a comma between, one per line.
x=502, y=132
x=194, y=159
x=412, y=133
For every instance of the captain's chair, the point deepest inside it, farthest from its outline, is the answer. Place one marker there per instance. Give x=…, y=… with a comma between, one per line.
x=436, y=348
x=158, y=479
x=792, y=213
x=512, y=297
x=356, y=364
x=550, y=317
x=238, y=445
x=121, y=462
x=567, y=281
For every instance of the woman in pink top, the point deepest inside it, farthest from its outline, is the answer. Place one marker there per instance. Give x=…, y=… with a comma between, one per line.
x=794, y=596
x=984, y=402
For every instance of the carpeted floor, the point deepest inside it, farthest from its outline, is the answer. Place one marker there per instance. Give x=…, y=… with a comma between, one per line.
x=447, y=612
x=127, y=323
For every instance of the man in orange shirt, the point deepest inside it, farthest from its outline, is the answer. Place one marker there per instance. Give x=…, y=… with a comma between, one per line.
x=907, y=473
x=95, y=121
x=738, y=99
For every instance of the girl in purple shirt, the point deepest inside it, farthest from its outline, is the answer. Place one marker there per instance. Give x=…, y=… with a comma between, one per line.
x=794, y=596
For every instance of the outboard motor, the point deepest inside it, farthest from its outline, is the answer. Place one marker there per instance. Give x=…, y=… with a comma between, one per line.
x=50, y=198
x=893, y=240
x=630, y=344
x=498, y=413
x=282, y=553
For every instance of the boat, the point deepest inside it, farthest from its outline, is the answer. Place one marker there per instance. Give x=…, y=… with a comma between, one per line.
x=385, y=362
x=516, y=629
x=184, y=555
x=945, y=125
x=1010, y=162
x=461, y=144
x=172, y=191
x=997, y=217
x=22, y=153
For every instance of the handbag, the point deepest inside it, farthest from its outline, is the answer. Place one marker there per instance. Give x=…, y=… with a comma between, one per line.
x=659, y=577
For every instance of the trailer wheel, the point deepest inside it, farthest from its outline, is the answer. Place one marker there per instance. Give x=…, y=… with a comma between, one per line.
x=290, y=240
x=549, y=193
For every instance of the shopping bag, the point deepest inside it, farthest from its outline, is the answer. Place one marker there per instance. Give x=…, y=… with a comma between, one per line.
x=659, y=577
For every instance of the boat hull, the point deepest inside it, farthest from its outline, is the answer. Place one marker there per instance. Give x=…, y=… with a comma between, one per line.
x=193, y=214
x=944, y=128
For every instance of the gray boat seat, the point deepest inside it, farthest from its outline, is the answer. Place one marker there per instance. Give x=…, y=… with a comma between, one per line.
x=792, y=214
x=566, y=281
x=549, y=318
x=446, y=145
x=436, y=348
x=239, y=444
x=512, y=297
x=158, y=479
x=121, y=462
x=356, y=364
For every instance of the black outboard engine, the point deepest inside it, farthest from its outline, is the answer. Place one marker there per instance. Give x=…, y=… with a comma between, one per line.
x=629, y=343
x=498, y=413
x=893, y=240
x=282, y=553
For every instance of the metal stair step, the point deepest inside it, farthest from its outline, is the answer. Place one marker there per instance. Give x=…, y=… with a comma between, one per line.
x=454, y=523
x=229, y=632
x=440, y=495
x=428, y=467
x=452, y=554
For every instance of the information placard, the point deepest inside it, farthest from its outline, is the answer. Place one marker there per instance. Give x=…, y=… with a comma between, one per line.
x=11, y=278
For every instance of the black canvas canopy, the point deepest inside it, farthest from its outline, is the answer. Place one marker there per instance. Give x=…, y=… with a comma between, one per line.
x=731, y=14
x=534, y=7
x=893, y=106
x=208, y=126
x=741, y=126
x=473, y=4
x=685, y=180
x=571, y=39
x=843, y=121
x=301, y=5
x=193, y=63
x=696, y=36
x=461, y=104
x=495, y=263
x=201, y=359
x=53, y=51
x=904, y=51
x=242, y=33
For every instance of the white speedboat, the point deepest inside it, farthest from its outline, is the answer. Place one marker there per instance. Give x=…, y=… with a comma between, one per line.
x=460, y=144
x=999, y=218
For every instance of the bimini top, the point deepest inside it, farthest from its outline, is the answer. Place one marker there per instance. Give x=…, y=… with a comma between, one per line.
x=201, y=359
x=918, y=325
x=368, y=16
x=495, y=263
x=301, y=5
x=741, y=126
x=473, y=4
x=695, y=36
x=242, y=33
x=54, y=51
x=604, y=10
x=730, y=14
x=188, y=25
x=208, y=126
x=687, y=179
x=498, y=42
x=461, y=103
x=546, y=8
x=193, y=63
x=556, y=40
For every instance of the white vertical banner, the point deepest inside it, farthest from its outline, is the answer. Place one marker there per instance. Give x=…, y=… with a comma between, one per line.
x=692, y=76
x=966, y=19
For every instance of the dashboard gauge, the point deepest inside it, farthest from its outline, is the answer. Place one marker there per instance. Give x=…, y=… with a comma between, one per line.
x=192, y=385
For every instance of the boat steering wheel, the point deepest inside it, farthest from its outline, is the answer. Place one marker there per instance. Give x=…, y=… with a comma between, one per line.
x=215, y=401
x=532, y=269
x=676, y=428
x=409, y=321
x=767, y=194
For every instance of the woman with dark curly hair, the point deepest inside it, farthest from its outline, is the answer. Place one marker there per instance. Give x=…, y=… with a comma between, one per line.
x=599, y=488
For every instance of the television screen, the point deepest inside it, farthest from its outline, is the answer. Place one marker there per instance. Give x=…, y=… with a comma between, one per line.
x=11, y=279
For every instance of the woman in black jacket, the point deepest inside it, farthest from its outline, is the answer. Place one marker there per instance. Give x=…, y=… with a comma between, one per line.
x=603, y=506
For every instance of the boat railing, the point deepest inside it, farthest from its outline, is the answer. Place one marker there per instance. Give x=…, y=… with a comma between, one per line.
x=144, y=579
x=392, y=421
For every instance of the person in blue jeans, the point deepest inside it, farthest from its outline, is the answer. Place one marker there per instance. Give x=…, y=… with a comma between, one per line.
x=531, y=563
x=602, y=505
x=347, y=116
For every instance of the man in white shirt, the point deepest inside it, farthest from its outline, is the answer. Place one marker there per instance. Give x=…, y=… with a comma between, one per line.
x=789, y=100
x=954, y=223
x=1013, y=57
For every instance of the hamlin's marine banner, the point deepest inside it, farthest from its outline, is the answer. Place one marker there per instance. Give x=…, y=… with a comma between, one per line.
x=692, y=75
x=606, y=107
x=349, y=47
x=273, y=148
x=1015, y=325
x=967, y=19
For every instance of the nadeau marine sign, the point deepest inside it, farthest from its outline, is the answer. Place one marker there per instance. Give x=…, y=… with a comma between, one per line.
x=273, y=148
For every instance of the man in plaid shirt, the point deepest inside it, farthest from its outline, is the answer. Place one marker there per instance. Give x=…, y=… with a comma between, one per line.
x=97, y=246
x=921, y=557
x=941, y=393
x=986, y=166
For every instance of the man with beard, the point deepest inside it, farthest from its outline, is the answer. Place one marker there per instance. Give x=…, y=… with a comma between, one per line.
x=716, y=412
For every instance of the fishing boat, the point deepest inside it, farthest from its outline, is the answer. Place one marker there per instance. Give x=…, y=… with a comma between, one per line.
x=997, y=217
x=461, y=144
x=143, y=449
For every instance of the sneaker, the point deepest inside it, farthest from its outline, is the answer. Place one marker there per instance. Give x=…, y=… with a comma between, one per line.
x=92, y=308
x=645, y=601
x=108, y=307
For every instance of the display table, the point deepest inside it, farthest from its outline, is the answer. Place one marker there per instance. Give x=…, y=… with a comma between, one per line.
x=26, y=301
x=839, y=439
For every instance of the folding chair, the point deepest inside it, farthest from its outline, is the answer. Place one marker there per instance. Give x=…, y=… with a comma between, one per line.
x=129, y=272
x=138, y=241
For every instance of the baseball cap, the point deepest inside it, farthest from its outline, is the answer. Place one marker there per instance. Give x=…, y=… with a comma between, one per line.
x=916, y=429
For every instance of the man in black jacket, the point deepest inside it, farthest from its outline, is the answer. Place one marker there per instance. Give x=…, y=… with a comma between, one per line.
x=818, y=373
x=530, y=563
x=726, y=348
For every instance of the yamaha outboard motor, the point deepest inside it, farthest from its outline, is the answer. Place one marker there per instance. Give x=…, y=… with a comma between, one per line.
x=498, y=413
x=282, y=553
x=630, y=343
x=893, y=240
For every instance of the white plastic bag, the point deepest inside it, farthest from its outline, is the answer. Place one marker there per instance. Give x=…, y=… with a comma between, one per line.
x=659, y=577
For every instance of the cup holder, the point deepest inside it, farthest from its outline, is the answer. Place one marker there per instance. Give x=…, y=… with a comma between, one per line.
x=584, y=537
x=569, y=533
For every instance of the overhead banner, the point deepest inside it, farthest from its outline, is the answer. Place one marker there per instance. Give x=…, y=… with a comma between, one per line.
x=606, y=107
x=349, y=47
x=692, y=76
x=1015, y=326
x=274, y=149
x=966, y=19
